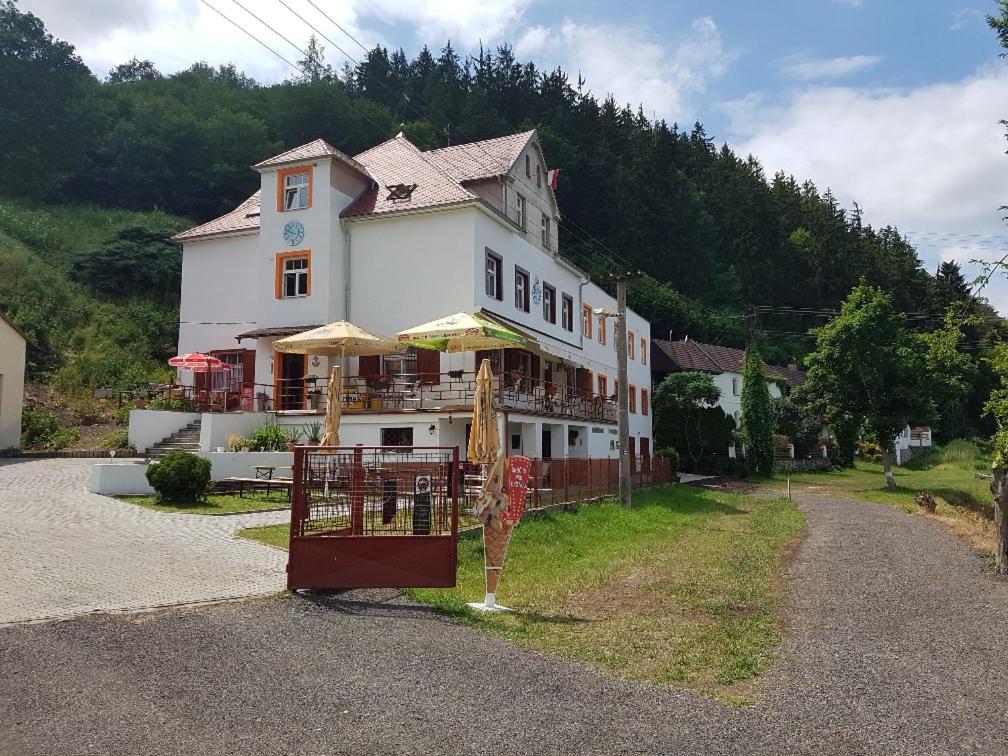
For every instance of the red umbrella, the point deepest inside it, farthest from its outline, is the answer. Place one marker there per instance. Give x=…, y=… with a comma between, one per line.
x=198, y=363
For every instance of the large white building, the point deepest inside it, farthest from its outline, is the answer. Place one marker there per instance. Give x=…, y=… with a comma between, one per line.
x=394, y=237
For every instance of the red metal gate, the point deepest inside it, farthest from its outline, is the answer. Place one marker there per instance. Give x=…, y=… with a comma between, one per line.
x=374, y=517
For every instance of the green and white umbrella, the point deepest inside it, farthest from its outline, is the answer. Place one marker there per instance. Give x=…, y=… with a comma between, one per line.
x=461, y=333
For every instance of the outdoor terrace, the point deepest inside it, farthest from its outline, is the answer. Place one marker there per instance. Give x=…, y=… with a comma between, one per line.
x=444, y=392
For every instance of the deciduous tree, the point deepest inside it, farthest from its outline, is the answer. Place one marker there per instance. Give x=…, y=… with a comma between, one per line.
x=868, y=368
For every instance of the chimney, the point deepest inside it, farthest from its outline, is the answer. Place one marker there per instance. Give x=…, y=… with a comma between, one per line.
x=792, y=364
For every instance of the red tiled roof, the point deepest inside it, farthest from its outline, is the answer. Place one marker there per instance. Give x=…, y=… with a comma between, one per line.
x=438, y=175
x=398, y=161
x=480, y=160
x=317, y=149
x=237, y=220
x=709, y=358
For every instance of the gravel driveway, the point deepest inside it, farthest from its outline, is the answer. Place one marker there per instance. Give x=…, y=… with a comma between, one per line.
x=892, y=650
x=65, y=551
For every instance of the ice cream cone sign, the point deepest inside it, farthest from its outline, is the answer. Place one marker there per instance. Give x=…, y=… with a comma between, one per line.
x=499, y=508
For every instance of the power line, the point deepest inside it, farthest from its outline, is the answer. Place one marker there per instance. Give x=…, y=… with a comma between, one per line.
x=582, y=234
x=270, y=28
x=246, y=31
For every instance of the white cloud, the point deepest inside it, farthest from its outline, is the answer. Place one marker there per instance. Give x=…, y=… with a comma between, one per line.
x=806, y=69
x=928, y=159
x=631, y=64
x=464, y=21
x=966, y=17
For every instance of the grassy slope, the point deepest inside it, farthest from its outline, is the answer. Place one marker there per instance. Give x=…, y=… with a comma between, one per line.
x=965, y=503
x=37, y=243
x=681, y=589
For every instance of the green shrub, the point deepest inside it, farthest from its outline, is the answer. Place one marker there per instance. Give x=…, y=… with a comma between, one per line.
x=117, y=439
x=175, y=404
x=670, y=453
x=120, y=415
x=271, y=436
x=180, y=478
x=41, y=430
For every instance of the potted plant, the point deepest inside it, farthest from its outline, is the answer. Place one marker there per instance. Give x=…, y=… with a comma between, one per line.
x=378, y=382
x=293, y=436
x=315, y=398
x=313, y=433
x=262, y=402
x=140, y=402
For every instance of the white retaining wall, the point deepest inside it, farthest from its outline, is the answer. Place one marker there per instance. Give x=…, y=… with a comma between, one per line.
x=147, y=427
x=119, y=479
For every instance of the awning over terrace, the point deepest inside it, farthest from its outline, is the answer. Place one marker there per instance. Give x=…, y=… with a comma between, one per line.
x=276, y=332
x=547, y=344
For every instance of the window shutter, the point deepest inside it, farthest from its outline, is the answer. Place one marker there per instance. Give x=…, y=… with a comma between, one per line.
x=369, y=366
x=428, y=365
x=248, y=368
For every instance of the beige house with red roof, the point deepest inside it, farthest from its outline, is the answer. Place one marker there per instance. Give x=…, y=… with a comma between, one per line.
x=390, y=238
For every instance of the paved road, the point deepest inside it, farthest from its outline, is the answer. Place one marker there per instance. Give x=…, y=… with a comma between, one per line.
x=65, y=551
x=896, y=647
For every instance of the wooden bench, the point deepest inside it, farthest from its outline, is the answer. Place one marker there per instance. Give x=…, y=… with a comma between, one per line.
x=259, y=484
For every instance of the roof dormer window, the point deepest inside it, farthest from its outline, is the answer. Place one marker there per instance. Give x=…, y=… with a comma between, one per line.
x=400, y=191
x=294, y=188
x=528, y=166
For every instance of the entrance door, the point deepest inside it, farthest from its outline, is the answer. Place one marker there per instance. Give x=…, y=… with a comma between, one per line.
x=290, y=381
x=632, y=451
x=547, y=443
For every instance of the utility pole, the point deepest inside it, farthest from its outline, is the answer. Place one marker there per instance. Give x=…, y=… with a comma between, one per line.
x=623, y=392
x=623, y=395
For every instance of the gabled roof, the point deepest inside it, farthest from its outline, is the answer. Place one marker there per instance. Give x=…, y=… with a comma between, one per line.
x=245, y=217
x=17, y=329
x=320, y=148
x=398, y=161
x=439, y=176
x=480, y=160
x=675, y=356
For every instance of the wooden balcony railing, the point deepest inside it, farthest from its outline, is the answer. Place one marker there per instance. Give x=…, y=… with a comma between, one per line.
x=430, y=392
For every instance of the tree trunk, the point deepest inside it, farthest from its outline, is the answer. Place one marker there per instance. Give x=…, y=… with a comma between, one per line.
x=887, y=460
x=999, y=487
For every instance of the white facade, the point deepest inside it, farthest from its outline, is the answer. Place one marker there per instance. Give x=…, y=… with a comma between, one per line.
x=730, y=385
x=391, y=270
x=12, y=368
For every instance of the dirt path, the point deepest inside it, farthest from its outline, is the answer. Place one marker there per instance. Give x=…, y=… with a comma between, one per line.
x=891, y=650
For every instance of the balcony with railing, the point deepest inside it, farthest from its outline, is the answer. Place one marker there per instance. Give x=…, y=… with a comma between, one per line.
x=426, y=392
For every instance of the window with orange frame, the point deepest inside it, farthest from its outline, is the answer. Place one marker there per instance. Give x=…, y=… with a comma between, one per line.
x=630, y=344
x=633, y=398
x=644, y=406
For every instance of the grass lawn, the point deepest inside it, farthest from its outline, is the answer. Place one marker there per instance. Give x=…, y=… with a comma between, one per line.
x=682, y=589
x=965, y=504
x=217, y=503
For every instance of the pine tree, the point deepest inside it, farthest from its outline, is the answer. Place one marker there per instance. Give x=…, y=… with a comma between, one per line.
x=757, y=414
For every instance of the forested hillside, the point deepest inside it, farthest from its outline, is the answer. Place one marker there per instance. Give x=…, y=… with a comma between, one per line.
x=718, y=239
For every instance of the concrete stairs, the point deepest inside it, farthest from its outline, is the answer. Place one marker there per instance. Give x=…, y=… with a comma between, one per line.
x=185, y=439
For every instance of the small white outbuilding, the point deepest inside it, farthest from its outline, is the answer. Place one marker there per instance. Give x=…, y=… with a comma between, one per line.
x=13, y=345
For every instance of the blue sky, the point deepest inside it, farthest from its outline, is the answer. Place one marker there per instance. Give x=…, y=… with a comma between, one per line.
x=893, y=104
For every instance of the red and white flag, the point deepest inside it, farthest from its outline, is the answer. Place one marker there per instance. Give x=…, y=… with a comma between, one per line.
x=553, y=178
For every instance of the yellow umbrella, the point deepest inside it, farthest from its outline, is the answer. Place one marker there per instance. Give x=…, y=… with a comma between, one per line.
x=332, y=412
x=340, y=339
x=484, y=441
x=461, y=332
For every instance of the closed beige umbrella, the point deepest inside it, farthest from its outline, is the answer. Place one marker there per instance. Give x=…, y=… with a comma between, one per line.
x=484, y=437
x=333, y=408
